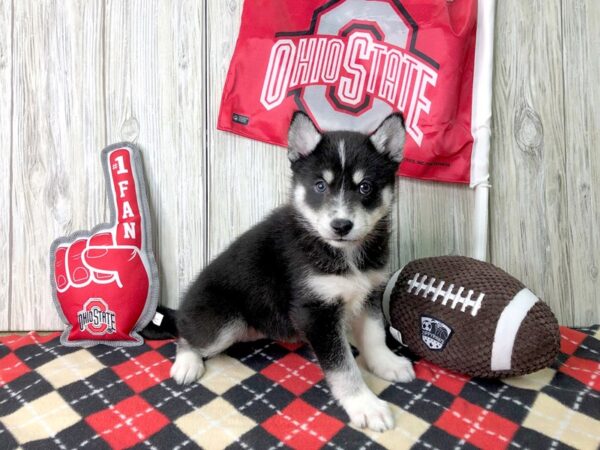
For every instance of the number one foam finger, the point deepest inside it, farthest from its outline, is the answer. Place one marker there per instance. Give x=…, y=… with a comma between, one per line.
x=105, y=281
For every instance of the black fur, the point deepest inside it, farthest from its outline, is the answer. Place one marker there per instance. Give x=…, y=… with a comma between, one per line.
x=260, y=279
x=309, y=268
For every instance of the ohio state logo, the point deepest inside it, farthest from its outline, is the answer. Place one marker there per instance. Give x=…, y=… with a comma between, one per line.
x=351, y=73
x=96, y=318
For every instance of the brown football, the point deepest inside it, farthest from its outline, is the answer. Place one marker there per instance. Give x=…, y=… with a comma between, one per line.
x=470, y=317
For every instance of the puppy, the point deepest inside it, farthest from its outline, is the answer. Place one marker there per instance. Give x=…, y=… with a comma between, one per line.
x=312, y=267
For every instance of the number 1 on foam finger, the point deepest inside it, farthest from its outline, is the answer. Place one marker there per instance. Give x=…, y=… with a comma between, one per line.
x=128, y=220
x=120, y=166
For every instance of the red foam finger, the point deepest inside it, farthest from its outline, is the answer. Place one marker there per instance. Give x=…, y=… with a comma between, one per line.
x=125, y=200
x=98, y=241
x=60, y=269
x=78, y=273
x=101, y=239
x=110, y=258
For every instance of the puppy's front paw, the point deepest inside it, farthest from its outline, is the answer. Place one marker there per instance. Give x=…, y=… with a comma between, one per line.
x=188, y=367
x=392, y=367
x=368, y=411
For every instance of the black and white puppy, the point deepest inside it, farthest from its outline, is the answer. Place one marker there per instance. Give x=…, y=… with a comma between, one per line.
x=312, y=267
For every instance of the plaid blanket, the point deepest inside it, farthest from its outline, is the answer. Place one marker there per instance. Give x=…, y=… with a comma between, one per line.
x=270, y=395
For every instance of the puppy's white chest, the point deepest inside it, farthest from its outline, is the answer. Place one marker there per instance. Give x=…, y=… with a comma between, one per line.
x=352, y=288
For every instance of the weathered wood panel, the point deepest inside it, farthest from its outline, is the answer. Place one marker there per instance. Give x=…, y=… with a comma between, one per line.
x=246, y=179
x=431, y=219
x=530, y=223
x=57, y=129
x=77, y=75
x=155, y=96
x=581, y=66
x=6, y=18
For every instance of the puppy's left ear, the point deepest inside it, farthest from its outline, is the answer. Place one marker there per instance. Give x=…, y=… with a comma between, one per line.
x=303, y=136
x=390, y=136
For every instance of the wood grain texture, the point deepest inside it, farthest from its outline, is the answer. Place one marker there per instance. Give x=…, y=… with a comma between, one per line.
x=529, y=202
x=581, y=66
x=430, y=219
x=246, y=178
x=57, y=131
x=155, y=96
x=6, y=21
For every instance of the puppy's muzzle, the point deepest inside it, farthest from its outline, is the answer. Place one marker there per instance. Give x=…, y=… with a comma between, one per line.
x=341, y=227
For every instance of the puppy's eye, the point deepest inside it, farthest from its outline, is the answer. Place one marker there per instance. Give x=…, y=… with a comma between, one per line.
x=365, y=188
x=320, y=186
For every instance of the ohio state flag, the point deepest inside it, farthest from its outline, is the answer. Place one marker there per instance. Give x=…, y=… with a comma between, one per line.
x=350, y=63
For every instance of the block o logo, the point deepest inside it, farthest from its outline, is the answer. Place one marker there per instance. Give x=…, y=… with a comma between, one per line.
x=356, y=64
x=96, y=318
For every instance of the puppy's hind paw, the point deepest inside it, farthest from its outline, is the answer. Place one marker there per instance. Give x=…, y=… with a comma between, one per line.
x=368, y=411
x=188, y=366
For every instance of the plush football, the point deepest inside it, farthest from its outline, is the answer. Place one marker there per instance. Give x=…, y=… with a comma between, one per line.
x=470, y=317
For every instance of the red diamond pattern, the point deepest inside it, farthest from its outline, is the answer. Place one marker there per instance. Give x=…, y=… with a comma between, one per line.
x=476, y=425
x=570, y=340
x=294, y=373
x=300, y=426
x=118, y=404
x=444, y=379
x=584, y=370
x=11, y=368
x=144, y=371
x=131, y=421
x=16, y=342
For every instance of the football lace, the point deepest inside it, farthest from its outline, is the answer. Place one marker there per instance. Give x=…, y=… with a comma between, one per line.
x=425, y=286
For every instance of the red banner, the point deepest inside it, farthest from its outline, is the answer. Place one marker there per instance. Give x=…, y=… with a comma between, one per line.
x=349, y=64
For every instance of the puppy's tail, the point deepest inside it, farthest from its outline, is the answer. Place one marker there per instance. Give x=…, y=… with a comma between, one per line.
x=163, y=326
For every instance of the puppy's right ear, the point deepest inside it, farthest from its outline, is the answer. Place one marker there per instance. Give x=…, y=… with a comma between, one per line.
x=303, y=136
x=390, y=136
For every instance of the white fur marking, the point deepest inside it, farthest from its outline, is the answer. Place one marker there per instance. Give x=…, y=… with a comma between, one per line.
x=363, y=220
x=229, y=334
x=352, y=288
x=358, y=176
x=342, y=153
x=328, y=176
x=370, y=338
x=362, y=406
x=188, y=365
x=308, y=213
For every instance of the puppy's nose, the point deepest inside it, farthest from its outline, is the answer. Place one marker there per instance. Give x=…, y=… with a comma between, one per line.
x=341, y=226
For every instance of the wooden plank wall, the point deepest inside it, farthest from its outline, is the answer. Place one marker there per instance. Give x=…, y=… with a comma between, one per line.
x=78, y=75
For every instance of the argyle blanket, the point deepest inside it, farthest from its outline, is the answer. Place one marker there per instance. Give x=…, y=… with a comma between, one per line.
x=270, y=395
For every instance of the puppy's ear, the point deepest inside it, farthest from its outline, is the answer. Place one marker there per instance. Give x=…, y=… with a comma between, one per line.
x=390, y=136
x=303, y=136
